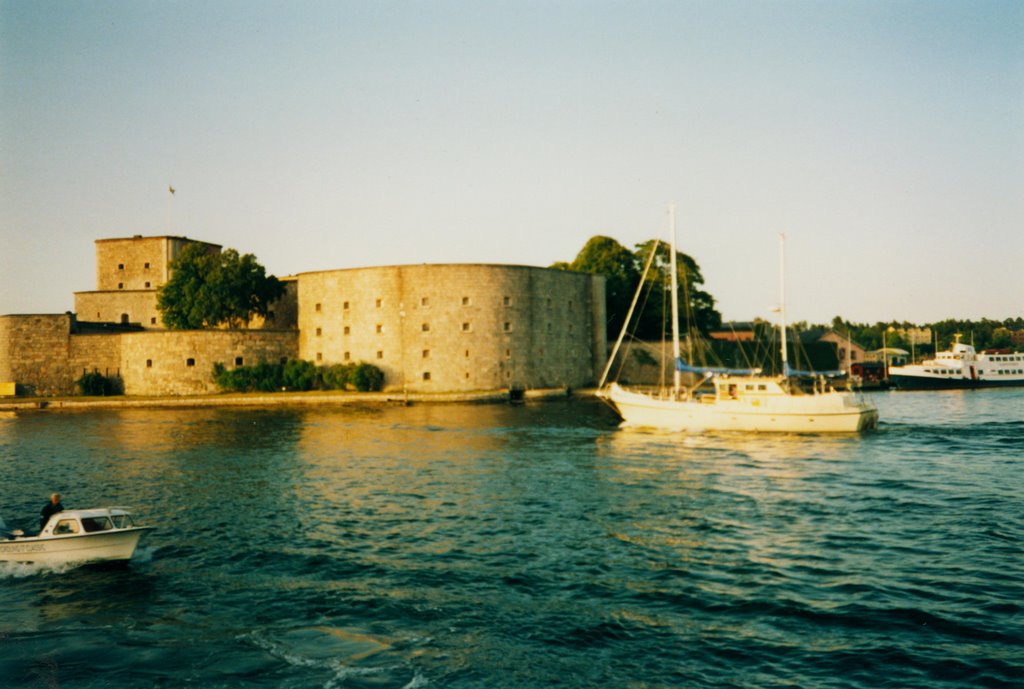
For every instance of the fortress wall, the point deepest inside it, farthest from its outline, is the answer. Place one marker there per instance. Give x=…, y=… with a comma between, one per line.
x=99, y=352
x=455, y=327
x=180, y=362
x=34, y=353
x=109, y=307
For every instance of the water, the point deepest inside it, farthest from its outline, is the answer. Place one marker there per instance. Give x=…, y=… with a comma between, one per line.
x=527, y=546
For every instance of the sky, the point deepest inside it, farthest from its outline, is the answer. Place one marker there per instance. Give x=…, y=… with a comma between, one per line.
x=885, y=139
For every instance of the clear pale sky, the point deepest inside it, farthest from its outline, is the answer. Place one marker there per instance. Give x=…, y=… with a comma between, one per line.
x=886, y=139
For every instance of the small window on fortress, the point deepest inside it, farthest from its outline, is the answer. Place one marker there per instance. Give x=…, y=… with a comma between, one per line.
x=152, y=321
x=467, y=353
x=426, y=327
x=120, y=266
x=146, y=265
x=347, y=330
x=426, y=353
x=120, y=285
x=149, y=363
x=319, y=332
x=508, y=326
x=465, y=301
x=378, y=303
x=426, y=375
x=319, y=356
x=508, y=353
x=507, y=300
x=344, y=305
x=465, y=327
x=347, y=356
x=124, y=318
x=238, y=361
x=380, y=354
x=190, y=361
x=147, y=285
x=424, y=301
x=380, y=328
x=317, y=307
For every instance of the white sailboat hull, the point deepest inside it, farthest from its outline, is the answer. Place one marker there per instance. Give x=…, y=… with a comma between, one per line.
x=824, y=412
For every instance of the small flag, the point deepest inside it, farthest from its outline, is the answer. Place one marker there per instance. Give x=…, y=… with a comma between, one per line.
x=170, y=189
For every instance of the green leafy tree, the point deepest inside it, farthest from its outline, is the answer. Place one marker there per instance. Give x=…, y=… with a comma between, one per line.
x=696, y=307
x=212, y=289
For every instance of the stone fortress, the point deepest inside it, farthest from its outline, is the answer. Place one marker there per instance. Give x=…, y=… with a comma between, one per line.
x=429, y=328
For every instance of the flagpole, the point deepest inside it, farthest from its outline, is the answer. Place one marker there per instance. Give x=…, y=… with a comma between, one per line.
x=170, y=203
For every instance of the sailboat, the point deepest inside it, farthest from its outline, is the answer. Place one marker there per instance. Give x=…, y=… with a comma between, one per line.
x=739, y=400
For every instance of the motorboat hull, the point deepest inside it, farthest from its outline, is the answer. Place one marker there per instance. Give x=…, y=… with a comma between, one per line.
x=834, y=412
x=106, y=546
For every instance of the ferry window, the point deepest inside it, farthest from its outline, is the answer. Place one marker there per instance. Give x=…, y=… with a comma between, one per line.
x=92, y=524
x=123, y=521
x=748, y=386
x=66, y=526
x=762, y=386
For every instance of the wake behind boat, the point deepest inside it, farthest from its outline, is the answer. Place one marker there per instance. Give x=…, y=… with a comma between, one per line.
x=741, y=400
x=106, y=534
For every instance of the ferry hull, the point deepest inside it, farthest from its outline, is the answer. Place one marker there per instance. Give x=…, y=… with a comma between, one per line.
x=107, y=546
x=904, y=382
x=827, y=413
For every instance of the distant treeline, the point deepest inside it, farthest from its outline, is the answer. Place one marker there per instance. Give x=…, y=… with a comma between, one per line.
x=985, y=333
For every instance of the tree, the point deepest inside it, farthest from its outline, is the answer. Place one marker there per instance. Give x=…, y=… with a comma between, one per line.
x=211, y=289
x=605, y=256
x=696, y=307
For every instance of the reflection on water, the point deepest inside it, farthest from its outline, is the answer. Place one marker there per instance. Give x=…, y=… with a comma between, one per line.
x=472, y=546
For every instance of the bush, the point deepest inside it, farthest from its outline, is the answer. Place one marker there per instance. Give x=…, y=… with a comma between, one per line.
x=95, y=384
x=296, y=374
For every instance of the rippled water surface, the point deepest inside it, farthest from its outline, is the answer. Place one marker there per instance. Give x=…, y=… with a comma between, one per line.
x=524, y=546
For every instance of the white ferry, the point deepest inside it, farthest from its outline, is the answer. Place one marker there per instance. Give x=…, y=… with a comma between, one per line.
x=961, y=367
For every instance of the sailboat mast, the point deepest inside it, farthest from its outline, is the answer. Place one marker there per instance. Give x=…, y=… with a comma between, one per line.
x=676, y=374
x=782, y=302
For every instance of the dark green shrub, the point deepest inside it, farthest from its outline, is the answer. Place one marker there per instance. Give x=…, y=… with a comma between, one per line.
x=96, y=384
x=367, y=377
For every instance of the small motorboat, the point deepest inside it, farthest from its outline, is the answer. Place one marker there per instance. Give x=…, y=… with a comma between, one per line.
x=106, y=534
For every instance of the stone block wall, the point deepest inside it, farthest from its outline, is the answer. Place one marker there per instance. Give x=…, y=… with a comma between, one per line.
x=456, y=327
x=34, y=353
x=119, y=306
x=137, y=263
x=180, y=362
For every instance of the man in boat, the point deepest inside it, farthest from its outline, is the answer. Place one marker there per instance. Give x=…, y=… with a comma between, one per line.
x=49, y=509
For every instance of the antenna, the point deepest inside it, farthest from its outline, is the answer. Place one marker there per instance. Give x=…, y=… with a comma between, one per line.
x=782, y=301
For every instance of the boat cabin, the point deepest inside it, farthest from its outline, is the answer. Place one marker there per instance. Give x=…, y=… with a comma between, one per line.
x=76, y=522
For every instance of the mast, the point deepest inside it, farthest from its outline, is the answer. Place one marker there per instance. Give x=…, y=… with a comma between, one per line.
x=676, y=374
x=782, y=301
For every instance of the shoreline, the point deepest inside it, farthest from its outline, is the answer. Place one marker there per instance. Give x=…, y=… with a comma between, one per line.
x=276, y=399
